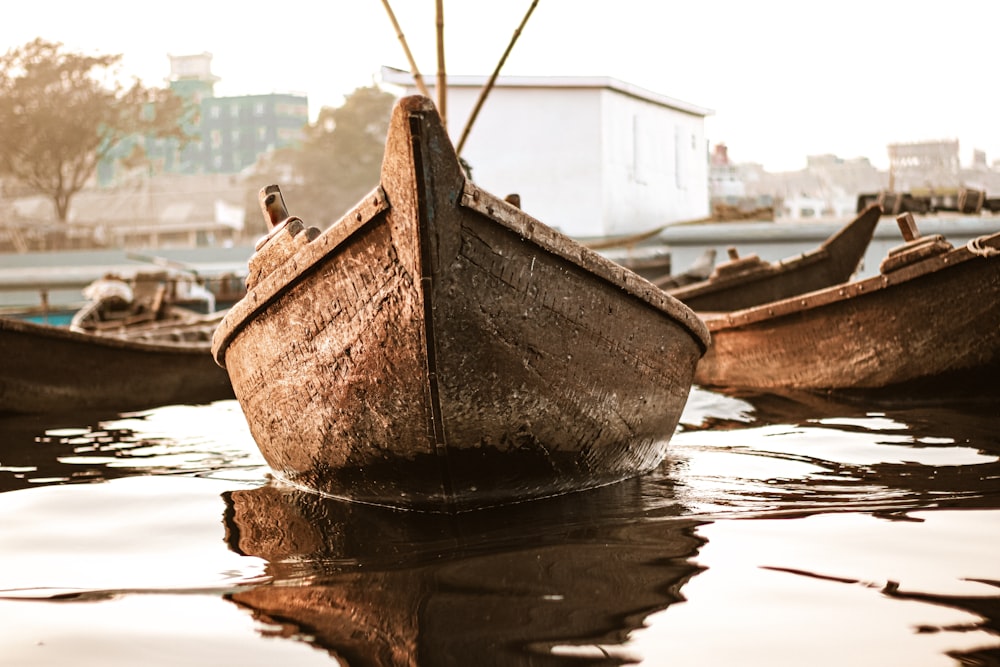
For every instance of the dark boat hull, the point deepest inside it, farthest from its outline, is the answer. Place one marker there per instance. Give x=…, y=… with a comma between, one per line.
x=52, y=369
x=439, y=349
x=932, y=325
x=748, y=282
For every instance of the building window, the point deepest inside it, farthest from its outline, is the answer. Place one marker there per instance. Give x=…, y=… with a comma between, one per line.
x=234, y=111
x=258, y=109
x=287, y=110
x=216, y=138
x=682, y=158
x=214, y=111
x=261, y=134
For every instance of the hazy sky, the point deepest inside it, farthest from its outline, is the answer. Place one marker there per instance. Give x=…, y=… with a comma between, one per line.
x=785, y=78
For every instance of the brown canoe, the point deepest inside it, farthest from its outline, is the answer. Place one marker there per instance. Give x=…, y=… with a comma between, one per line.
x=438, y=348
x=930, y=320
x=53, y=369
x=749, y=281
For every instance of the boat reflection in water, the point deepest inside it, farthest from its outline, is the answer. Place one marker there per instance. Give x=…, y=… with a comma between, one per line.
x=797, y=530
x=383, y=587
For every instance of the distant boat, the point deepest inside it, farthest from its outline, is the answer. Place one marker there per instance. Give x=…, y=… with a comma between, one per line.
x=929, y=321
x=748, y=281
x=699, y=271
x=438, y=348
x=53, y=369
x=116, y=305
x=46, y=287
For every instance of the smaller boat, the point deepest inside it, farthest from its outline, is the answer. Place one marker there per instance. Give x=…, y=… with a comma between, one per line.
x=748, y=281
x=699, y=271
x=115, y=305
x=52, y=369
x=928, y=321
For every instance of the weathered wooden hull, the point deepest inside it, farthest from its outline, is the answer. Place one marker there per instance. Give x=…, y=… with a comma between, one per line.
x=748, y=282
x=932, y=325
x=438, y=348
x=52, y=369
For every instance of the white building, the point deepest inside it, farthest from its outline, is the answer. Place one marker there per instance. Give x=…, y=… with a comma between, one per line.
x=590, y=156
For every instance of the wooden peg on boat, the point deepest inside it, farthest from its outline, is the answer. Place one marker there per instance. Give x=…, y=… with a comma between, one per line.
x=272, y=204
x=908, y=226
x=287, y=235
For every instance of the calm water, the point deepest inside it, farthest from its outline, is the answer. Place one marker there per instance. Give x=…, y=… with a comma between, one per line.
x=777, y=532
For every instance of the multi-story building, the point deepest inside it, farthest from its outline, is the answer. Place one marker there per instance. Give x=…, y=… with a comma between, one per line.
x=235, y=131
x=228, y=134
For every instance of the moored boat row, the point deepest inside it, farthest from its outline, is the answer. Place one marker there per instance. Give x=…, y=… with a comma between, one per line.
x=439, y=349
x=929, y=322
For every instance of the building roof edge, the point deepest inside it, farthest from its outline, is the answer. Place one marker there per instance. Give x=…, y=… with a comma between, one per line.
x=392, y=75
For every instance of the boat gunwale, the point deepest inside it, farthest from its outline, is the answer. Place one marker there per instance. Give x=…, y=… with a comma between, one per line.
x=844, y=238
x=306, y=259
x=544, y=237
x=850, y=290
x=295, y=267
x=764, y=271
x=109, y=341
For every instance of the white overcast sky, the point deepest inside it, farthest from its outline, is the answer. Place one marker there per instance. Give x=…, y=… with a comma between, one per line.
x=785, y=78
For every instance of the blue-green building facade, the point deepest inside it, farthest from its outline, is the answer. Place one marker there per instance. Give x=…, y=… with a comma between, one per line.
x=228, y=134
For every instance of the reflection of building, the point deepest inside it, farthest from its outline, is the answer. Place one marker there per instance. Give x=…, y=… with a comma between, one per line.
x=229, y=133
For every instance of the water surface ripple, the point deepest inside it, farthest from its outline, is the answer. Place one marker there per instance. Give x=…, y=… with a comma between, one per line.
x=780, y=530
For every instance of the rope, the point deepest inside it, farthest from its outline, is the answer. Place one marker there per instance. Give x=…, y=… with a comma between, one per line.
x=977, y=247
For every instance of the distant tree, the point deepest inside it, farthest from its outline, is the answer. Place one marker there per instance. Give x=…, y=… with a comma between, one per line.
x=62, y=113
x=339, y=160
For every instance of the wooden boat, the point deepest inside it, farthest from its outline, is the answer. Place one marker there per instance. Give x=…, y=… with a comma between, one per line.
x=748, y=281
x=53, y=369
x=700, y=270
x=929, y=320
x=115, y=305
x=438, y=348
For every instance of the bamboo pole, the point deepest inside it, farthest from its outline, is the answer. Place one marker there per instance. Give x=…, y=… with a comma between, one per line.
x=421, y=86
x=442, y=78
x=489, y=84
